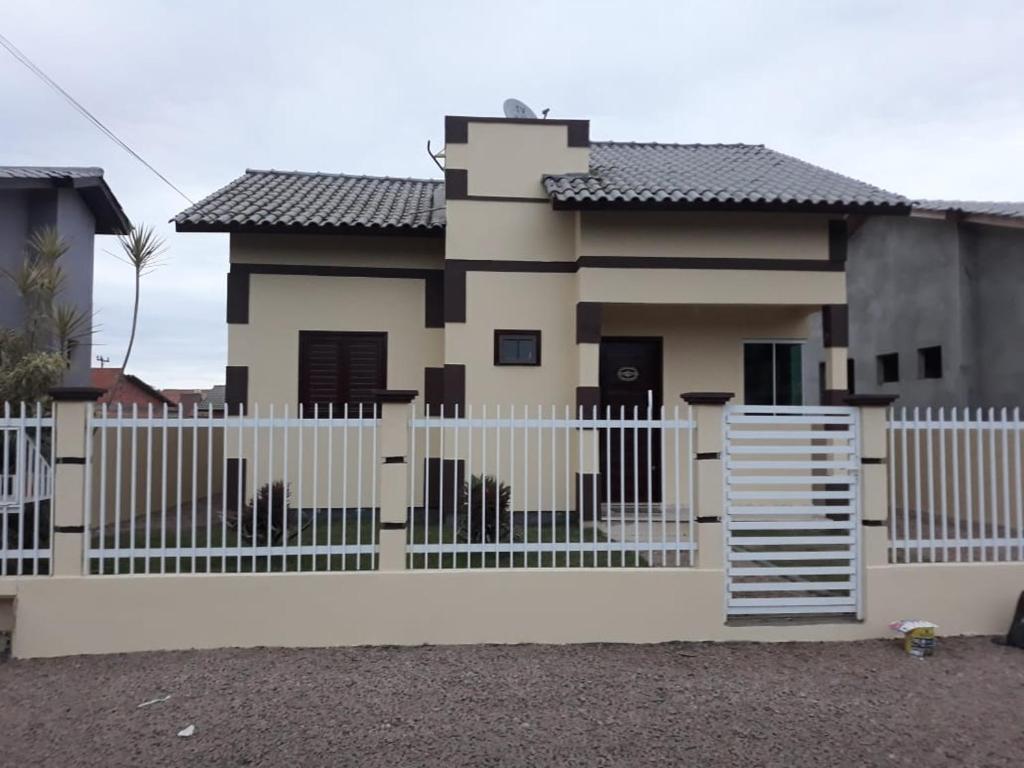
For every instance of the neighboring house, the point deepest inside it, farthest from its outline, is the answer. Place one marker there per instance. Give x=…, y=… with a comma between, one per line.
x=936, y=315
x=187, y=398
x=80, y=205
x=126, y=389
x=547, y=269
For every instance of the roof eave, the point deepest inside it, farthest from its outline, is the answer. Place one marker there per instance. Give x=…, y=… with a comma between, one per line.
x=436, y=231
x=874, y=209
x=107, y=212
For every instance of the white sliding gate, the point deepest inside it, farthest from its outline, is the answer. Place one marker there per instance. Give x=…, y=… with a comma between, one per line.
x=792, y=515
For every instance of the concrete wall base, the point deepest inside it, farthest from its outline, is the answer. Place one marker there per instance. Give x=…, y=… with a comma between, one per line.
x=56, y=616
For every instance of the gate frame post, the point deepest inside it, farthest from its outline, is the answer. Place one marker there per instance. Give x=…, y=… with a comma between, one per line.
x=71, y=407
x=874, y=477
x=393, y=448
x=708, y=476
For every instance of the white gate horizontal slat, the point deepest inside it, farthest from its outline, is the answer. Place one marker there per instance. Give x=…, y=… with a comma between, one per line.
x=762, y=556
x=792, y=480
x=788, y=610
x=788, y=525
x=802, y=433
x=790, y=602
x=791, y=449
x=790, y=495
x=802, y=570
x=786, y=511
x=780, y=420
x=789, y=464
x=787, y=541
x=792, y=586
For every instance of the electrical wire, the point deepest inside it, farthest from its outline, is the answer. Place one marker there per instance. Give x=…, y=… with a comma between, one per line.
x=35, y=70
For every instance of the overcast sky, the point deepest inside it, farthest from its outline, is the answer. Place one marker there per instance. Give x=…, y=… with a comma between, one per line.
x=921, y=98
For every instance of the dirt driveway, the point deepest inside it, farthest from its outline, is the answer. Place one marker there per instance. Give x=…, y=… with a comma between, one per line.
x=680, y=704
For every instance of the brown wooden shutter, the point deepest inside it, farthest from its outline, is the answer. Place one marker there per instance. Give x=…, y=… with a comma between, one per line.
x=340, y=369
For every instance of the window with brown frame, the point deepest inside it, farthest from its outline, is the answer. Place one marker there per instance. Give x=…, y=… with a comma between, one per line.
x=516, y=347
x=341, y=368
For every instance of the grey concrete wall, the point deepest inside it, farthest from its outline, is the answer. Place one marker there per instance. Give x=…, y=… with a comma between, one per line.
x=13, y=226
x=994, y=259
x=906, y=291
x=21, y=213
x=77, y=226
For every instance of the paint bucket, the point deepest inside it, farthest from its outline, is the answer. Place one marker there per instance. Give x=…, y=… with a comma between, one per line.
x=918, y=636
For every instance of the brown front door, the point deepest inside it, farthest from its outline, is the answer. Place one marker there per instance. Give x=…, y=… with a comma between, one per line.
x=630, y=379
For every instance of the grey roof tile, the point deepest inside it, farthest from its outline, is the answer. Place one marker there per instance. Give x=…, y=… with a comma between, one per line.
x=975, y=207
x=49, y=172
x=317, y=201
x=732, y=174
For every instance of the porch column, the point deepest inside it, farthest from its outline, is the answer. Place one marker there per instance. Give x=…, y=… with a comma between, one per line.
x=708, y=480
x=835, y=327
x=394, y=476
x=874, y=476
x=70, y=413
x=588, y=351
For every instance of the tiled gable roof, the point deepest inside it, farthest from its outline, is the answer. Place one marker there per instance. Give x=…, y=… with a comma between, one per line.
x=297, y=201
x=973, y=207
x=702, y=174
x=88, y=181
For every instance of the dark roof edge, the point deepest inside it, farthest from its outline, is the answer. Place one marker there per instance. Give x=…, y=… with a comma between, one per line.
x=880, y=209
x=436, y=231
x=106, y=209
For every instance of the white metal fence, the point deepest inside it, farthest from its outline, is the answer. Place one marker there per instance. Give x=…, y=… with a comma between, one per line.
x=26, y=488
x=271, y=490
x=521, y=487
x=955, y=485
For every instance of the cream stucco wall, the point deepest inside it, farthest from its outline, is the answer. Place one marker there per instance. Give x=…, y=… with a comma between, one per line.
x=516, y=231
x=509, y=159
x=719, y=235
x=338, y=250
x=57, y=616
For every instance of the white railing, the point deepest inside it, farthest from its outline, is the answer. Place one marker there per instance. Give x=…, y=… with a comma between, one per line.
x=267, y=491
x=532, y=487
x=955, y=485
x=26, y=488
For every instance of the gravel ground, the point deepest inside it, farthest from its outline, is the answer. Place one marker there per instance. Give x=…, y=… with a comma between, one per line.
x=678, y=704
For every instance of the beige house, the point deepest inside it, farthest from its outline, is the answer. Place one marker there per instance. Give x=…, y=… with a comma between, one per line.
x=546, y=269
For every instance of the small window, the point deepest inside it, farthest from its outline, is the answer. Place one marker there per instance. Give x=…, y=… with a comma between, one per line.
x=517, y=347
x=888, y=368
x=772, y=373
x=929, y=363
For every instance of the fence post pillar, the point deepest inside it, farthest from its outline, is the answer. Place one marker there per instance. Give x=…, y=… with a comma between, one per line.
x=708, y=481
x=70, y=412
x=394, y=475
x=874, y=476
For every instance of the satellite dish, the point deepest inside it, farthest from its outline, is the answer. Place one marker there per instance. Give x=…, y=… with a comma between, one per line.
x=514, y=108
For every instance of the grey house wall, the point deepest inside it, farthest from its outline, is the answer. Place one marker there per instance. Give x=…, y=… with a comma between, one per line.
x=23, y=212
x=914, y=283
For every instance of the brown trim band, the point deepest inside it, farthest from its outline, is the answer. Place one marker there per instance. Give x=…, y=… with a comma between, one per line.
x=707, y=205
x=433, y=389
x=238, y=285
x=707, y=398
x=491, y=265
x=395, y=395
x=587, y=399
x=835, y=325
x=588, y=322
x=871, y=400
x=834, y=396
x=698, y=262
x=456, y=183
x=454, y=292
x=236, y=387
x=454, y=388
x=837, y=240
x=76, y=394
x=456, y=128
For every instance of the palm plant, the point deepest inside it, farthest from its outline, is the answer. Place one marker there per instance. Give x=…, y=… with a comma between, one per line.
x=142, y=249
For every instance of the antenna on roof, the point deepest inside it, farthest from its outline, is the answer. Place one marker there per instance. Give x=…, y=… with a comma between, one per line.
x=517, y=110
x=435, y=155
